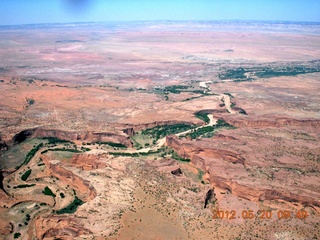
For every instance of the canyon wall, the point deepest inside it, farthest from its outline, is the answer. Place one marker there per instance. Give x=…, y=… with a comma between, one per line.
x=70, y=136
x=209, y=159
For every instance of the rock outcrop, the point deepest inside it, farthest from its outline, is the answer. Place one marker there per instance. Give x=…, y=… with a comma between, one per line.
x=88, y=162
x=209, y=160
x=278, y=122
x=186, y=150
x=176, y=172
x=280, y=194
x=83, y=187
x=57, y=227
x=71, y=136
x=129, y=131
x=6, y=227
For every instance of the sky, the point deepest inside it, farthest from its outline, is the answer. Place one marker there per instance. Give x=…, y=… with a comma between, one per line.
x=14, y=12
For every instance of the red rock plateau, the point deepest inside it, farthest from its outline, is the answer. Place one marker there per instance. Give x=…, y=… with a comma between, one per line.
x=160, y=131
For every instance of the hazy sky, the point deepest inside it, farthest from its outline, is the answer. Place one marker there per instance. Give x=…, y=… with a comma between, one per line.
x=59, y=11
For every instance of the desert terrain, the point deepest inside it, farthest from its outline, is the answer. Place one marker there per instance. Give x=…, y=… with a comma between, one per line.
x=160, y=130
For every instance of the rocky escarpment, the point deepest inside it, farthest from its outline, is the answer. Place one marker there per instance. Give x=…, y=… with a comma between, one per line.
x=278, y=122
x=129, y=131
x=57, y=228
x=89, y=162
x=280, y=194
x=82, y=186
x=255, y=193
x=186, y=150
x=89, y=136
x=216, y=164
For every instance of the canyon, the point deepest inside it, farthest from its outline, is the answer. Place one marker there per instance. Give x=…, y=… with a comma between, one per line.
x=106, y=128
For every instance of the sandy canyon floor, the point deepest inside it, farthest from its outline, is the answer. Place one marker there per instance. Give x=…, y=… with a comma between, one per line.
x=160, y=130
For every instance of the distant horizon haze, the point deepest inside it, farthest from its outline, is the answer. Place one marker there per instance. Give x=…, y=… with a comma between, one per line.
x=18, y=12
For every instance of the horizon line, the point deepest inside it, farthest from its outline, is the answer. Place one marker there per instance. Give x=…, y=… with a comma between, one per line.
x=163, y=20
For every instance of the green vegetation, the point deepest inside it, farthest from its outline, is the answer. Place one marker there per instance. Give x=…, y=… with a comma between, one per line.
x=203, y=116
x=177, y=157
x=62, y=195
x=162, y=131
x=31, y=154
x=17, y=235
x=84, y=149
x=268, y=72
x=113, y=144
x=203, y=94
x=195, y=97
x=229, y=94
x=47, y=191
x=25, y=176
x=208, y=131
x=202, y=132
x=63, y=150
x=176, y=89
x=239, y=74
x=197, y=91
x=124, y=154
x=200, y=175
x=53, y=140
x=72, y=207
x=28, y=79
x=24, y=186
x=30, y=101
x=242, y=111
x=17, y=153
x=137, y=138
x=150, y=136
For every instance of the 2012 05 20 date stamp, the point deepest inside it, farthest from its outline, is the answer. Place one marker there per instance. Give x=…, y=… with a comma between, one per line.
x=261, y=214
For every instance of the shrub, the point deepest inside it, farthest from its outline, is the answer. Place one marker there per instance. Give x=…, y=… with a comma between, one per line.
x=17, y=235
x=177, y=157
x=53, y=140
x=72, y=207
x=32, y=152
x=25, y=176
x=203, y=116
x=30, y=101
x=47, y=191
x=24, y=186
x=162, y=131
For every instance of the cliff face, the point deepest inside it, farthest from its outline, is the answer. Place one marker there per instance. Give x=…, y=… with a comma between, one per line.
x=288, y=196
x=196, y=154
x=129, y=131
x=88, y=162
x=278, y=122
x=216, y=164
x=57, y=227
x=85, y=190
x=71, y=136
